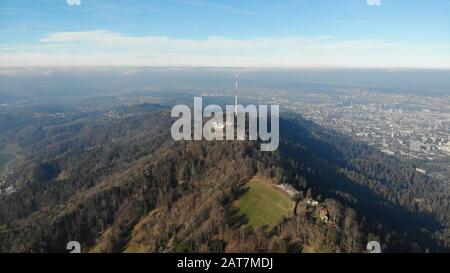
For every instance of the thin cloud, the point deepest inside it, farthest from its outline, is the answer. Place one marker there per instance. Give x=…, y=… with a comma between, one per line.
x=374, y=2
x=103, y=47
x=73, y=2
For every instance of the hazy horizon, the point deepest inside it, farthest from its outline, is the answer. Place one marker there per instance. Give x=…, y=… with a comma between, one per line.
x=89, y=81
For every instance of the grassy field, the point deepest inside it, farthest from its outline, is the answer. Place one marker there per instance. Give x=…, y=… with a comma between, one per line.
x=5, y=158
x=263, y=204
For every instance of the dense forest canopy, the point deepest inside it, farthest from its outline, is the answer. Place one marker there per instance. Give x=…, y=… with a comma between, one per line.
x=125, y=185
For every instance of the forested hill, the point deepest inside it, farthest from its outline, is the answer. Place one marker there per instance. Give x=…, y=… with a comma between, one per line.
x=125, y=185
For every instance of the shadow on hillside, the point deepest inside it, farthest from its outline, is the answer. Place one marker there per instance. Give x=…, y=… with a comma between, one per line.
x=325, y=159
x=235, y=218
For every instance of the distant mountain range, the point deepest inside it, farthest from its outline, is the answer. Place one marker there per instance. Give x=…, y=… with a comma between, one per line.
x=63, y=82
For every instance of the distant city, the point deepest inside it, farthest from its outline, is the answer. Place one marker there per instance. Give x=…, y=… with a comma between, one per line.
x=408, y=126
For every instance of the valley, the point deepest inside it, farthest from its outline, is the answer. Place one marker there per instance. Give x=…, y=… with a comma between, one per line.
x=5, y=160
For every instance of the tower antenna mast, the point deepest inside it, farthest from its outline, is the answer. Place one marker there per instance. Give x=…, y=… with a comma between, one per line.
x=236, y=96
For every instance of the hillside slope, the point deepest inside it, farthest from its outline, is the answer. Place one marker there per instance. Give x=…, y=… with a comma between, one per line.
x=127, y=186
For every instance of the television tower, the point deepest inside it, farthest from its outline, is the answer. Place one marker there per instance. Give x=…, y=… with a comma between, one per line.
x=236, y=96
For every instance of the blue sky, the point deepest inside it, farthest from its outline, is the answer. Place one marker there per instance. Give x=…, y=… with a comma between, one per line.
x=291, y=33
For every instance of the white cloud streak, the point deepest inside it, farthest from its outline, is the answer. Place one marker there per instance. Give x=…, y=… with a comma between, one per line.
x=73, y=2
x=102, y=47
x=374, y=2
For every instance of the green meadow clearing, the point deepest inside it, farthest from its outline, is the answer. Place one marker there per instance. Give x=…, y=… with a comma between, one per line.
x=263, y=204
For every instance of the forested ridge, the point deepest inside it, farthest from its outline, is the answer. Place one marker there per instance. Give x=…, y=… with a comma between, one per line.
x=125, y=185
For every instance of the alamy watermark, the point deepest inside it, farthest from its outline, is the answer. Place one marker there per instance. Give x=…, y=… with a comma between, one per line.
x=231, y=126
